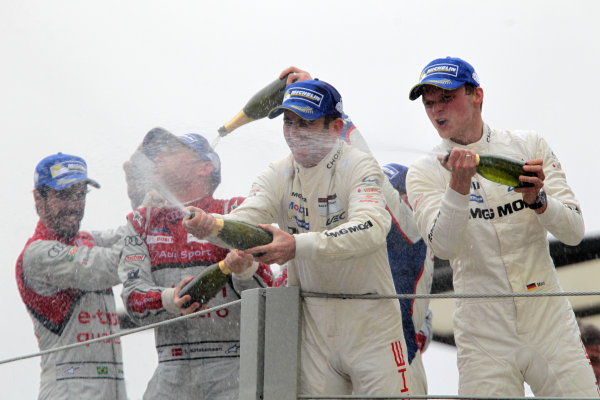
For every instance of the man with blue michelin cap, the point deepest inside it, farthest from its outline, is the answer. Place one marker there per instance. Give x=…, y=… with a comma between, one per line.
x=410, y=261
x=495, y=237
x=65, y=279
x=326, y=198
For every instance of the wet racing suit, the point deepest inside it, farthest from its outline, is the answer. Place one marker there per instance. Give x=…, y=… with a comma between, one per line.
x=336, y=212
x=66, y=287
x=411, y=263
x=198, y=358
x=496, y=244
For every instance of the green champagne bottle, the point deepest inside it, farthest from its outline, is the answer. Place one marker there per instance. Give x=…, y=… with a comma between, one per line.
x=206, y=285
x=258, y=106
x=238, y=234
x=241, y=235
x=502, y=169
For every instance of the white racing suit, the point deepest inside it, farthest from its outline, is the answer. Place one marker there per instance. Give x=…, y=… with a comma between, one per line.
x=496, y=244
x=337, y=215
x=411, y=263
x=198, y=358
x=66, y=287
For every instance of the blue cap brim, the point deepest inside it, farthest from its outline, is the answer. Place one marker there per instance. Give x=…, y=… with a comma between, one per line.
x=313, y=115
x=165, y=138
x=77, y=180
x=155, y=135
x=416, y=91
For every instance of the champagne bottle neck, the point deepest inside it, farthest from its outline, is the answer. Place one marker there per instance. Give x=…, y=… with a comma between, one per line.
x=258, y=106
x=220, y=223
x=240, y=119
x=224, y=268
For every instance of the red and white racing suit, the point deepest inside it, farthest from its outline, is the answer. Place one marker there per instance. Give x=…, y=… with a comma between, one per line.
x=197, y=358
x=336, y=212
x=496, y=244
x=66, y=287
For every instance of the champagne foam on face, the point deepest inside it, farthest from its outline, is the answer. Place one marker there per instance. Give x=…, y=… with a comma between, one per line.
x=144, y=177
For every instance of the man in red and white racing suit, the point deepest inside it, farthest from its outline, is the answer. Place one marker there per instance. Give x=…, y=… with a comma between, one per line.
x=65, y=279
x=495, y=237
x=327, y=199
x=198, y=358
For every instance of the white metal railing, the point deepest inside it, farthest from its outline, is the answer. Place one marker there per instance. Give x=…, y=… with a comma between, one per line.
x=116, y=335
x=270, y=341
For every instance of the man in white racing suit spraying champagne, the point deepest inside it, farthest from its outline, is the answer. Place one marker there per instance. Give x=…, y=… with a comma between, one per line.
x=327, y=199
x=411, y=262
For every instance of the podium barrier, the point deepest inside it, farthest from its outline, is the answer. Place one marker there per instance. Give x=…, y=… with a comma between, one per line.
x=272, y=316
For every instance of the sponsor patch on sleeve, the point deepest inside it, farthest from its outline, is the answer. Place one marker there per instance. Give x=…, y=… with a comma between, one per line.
x=135, y=257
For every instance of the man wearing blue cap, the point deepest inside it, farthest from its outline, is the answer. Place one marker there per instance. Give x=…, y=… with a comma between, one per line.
x=65, y=281
x=197, y=358
x=410, y=261
x=326, y=198
x=495, y=237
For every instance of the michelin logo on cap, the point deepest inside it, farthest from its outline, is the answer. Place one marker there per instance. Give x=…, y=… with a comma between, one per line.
x=66, y=167
x=443, y=69
x=304, y=94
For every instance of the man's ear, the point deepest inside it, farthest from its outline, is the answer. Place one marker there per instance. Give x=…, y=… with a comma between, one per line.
x=204, y=169
x=39, y=200
x=336, y=127
x=478, y=95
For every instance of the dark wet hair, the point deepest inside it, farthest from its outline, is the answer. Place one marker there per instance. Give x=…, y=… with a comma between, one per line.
x=43, y=191
x=469, y=88
x=328, y=120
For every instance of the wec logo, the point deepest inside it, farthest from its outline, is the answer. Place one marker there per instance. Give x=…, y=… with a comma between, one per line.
x=336, y=218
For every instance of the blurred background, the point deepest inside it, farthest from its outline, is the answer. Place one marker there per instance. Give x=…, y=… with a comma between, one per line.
x=91, y=78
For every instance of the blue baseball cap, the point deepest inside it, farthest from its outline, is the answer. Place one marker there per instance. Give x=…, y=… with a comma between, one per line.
x=60, y=171
x=447, y=73
x=310, y=100
x=396, y=173
x=158, y=137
